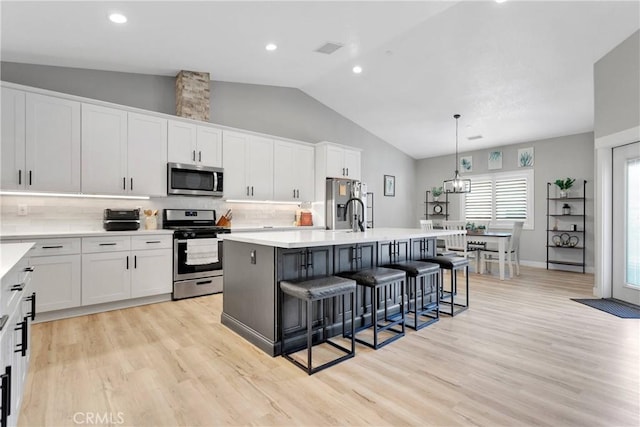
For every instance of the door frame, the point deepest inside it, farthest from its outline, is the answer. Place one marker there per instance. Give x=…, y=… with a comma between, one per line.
x=604, y=207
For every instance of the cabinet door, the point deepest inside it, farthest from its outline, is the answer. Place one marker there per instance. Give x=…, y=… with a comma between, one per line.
x=104, y=150
x=284, y=170
x=305, y=172
x=260, y=167
x=13, y=139
x=352, y=164
x=56, y=281
x=209, y=146
x=335, y=162
x=233, y=155
x=181, y=142
x=152, y=272
x=147, y=155
x=52, y=143
x=105, y=277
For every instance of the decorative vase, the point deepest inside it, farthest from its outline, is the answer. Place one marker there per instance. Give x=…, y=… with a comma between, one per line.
x=566, y=209
x=435, y=198
x=564, y=193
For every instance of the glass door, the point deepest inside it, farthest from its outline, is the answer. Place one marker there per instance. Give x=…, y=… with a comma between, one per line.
x=626, y=223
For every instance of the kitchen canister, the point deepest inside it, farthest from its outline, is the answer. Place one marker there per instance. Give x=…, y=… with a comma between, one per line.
x=566, y=209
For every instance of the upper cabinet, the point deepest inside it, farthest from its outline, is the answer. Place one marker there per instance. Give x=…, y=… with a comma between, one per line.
x=248, y=166
x=293, y=171
x=193, y=144
x=337, y=161
x=40, y=142
x=123, y=153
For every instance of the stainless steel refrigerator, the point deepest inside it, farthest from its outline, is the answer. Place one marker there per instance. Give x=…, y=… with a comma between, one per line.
x=346, y=204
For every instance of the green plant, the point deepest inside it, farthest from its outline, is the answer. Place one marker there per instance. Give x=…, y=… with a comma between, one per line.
x=470, y=226
x=564, y=184
x=436, y=191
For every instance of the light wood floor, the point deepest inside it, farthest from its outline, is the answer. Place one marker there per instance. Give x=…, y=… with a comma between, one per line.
x=523, y=354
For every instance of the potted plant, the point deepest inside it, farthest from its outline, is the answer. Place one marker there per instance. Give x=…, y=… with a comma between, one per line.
x=564, y=185
x=436, y=192
x=481, y=229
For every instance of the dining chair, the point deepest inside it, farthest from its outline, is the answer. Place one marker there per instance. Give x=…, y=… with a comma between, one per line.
x=458, y=242
x=426, y=224
x=512, y=254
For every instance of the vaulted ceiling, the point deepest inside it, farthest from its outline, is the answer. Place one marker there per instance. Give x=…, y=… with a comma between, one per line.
x=517, y=71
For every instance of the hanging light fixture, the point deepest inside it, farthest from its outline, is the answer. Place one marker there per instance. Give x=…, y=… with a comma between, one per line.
x=457, y=184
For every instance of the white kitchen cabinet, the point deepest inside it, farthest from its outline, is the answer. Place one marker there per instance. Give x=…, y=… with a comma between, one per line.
x=152, y=271
x=12, y=146
x=293, y=171
x=106, y=277
x=193, y=144
x=52, y=140
x=123, y=153
x=337, y=161
x=248, y=162
x=57, y=281
x=40, y=142
x=104, y=150
x=147, y=155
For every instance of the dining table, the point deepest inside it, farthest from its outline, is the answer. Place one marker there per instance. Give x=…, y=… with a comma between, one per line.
x=502, y=240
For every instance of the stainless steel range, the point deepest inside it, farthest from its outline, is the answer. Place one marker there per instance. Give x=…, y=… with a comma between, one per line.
x=197, y=251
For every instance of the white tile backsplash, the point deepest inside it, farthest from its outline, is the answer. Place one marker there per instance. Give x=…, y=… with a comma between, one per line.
x=72, y=214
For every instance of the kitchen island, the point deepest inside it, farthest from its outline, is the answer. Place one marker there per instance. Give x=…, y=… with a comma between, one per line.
x=254, y=264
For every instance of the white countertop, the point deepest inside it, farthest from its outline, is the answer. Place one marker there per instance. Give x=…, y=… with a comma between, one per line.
x=77, y=233
x=10, y=254
x=275, y=228
x=309, y=238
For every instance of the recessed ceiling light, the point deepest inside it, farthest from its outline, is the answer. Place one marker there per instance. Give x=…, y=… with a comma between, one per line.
x=117, y=18
x=500, y=1
x=357, y=69
x=271, y=47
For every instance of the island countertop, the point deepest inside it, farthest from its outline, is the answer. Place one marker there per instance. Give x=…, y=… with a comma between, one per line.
x=311, y=238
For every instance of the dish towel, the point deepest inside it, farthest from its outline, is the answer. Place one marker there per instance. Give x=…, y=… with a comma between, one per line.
x=202, y=251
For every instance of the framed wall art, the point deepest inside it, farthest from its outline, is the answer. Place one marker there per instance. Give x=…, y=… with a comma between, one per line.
x=495, y=160
x=389, y=185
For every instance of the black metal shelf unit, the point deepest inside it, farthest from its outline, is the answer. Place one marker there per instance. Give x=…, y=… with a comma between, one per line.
x=436, y=209
x=560, y=235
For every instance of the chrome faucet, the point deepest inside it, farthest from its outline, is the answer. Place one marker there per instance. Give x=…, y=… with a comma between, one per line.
x=356, y=221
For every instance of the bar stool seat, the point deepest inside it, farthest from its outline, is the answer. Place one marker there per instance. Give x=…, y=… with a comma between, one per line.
x=419, y=271
x=313, y=290
x=452, y=263
x=376, y=279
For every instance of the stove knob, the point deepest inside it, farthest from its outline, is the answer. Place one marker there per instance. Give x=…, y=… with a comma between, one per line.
x=185, y=235
x=192, y=235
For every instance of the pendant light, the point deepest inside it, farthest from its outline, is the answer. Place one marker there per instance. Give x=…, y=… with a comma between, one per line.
x=457, y=184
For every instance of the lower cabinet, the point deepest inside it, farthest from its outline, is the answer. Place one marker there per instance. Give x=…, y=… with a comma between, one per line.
x=151, y=274
x=105, y=277
x=56, y=280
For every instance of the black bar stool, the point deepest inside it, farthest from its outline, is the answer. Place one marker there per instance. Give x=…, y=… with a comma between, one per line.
x=377, y=279
x=453, y=264
x=313, y=290
x=420, y=271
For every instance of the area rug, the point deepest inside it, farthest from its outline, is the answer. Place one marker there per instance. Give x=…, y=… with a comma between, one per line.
x=612, y=306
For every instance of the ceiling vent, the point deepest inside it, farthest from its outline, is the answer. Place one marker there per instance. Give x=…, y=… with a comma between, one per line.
x=471, y=138
x=328, y=48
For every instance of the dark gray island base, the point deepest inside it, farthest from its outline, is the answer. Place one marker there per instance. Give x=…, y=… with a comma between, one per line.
x=254, y=264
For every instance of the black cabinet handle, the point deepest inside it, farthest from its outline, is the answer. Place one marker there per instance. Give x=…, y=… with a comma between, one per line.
x=194, y=155
x=53, y=247
x=19, y=287
x=124, y=183
x=23, y=346
x=19, y=176
x=131, y=184
x=153, y=241
x=32, y=313
x=199, y=156
x=347, y=171
x=252, y=190
x=204, y=282
x=30, y=181
x=105, y=244
x=127, y=262
x=6, y=396
x=247, y=190
x=29, y=269
x=135, y=261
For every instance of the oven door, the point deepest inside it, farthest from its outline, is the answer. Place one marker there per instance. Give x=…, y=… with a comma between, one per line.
x=191, y=260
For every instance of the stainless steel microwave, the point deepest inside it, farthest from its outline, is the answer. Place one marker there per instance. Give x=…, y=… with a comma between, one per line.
x=194, y=180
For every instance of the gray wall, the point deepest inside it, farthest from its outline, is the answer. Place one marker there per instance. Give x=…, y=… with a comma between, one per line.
x=617, y=88
x=571, y=156
x=278, y=111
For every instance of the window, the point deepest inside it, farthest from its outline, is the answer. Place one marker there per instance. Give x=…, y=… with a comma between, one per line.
x=500, y=198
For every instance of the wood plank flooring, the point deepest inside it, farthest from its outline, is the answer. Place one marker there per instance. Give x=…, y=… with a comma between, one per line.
x=523, y=354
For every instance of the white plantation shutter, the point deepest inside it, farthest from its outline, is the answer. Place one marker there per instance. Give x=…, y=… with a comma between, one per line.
x=511, y=199
x=501, y=198
x=479, y=202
